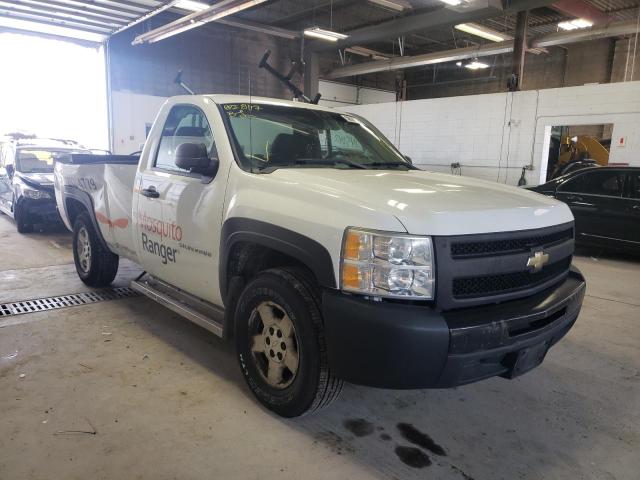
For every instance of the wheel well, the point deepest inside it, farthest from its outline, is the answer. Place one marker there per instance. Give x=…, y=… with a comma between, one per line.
x=74, y=208
x=246, y=260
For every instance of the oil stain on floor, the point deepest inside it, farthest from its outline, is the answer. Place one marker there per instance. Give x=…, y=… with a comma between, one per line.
x=413, y=457
x=415, y=436
x=359, y=426
x=409, y=455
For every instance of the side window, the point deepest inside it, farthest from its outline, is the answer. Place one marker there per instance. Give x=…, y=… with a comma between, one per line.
x=576, y=184
x=609, y=183
x=185, y=124
x=604, y=183
x=635, y=185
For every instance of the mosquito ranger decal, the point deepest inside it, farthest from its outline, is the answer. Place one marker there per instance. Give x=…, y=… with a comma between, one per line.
x=160, y=228
x=167, y=254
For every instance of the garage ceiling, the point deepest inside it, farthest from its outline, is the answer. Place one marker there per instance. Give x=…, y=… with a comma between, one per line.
x=85, y=19
x=101, y=18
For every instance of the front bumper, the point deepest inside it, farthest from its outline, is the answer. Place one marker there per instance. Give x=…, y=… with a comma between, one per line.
x=398, y=345
x=42, y=210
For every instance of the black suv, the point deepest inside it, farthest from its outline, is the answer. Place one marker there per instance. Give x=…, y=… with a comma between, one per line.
x=26, y=179
x=605, y=202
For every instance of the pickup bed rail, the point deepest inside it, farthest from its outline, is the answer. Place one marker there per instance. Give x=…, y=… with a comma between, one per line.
x=89, y=159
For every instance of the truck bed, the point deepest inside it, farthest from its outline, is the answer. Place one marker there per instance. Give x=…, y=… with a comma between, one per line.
x=91, y=159
x=106, y=182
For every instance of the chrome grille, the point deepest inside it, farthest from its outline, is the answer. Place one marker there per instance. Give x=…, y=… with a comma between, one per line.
x=491, y=268
x=507, y=282
x=508, y=245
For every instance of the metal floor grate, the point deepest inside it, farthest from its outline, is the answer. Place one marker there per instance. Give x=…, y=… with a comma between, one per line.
x=64, y=301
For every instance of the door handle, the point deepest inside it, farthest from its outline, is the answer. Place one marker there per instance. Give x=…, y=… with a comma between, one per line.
x=150, y=192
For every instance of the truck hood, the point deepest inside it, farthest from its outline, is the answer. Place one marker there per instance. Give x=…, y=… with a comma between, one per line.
x=37, y=179
x=430, y=203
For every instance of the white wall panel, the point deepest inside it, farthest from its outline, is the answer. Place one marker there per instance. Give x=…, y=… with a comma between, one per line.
x=493, y=136
x=131, y=113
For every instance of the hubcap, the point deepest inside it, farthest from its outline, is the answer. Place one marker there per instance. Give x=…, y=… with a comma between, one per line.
x=83, y=247
x=274, y=344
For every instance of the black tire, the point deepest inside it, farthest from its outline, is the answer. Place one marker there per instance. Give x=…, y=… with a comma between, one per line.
x=291, y=293
x=101, y=266
x=22, y=219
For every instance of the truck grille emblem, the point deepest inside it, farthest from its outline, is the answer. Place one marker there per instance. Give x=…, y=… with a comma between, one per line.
x=537, y=261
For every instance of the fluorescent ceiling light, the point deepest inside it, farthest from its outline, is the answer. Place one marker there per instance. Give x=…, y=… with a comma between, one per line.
x=476, y=65
x=453, y=3
x=323, y=34
x=397, y=5
x=575, y=24
x=367, y=52
x=191, y=5
x=210, y=14
x=482, y=31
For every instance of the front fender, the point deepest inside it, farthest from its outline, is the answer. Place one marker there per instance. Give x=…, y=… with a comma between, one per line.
x=304, y=249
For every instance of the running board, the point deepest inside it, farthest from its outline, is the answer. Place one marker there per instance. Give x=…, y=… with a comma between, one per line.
x=208, y=316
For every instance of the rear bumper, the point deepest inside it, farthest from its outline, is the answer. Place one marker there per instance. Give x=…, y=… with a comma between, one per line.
x=396, y=345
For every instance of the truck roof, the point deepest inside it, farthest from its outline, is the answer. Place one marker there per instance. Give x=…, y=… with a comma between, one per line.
x=49, y=143
x=224, y=98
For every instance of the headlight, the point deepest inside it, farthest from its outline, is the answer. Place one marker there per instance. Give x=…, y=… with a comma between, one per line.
x=35, y=194
x=387, y=264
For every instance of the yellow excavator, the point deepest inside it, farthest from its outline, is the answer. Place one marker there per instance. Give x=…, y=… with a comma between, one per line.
x=579, y=152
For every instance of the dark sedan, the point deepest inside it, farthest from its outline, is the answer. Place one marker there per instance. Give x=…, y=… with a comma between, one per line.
x=26, y=179
x=605, y=202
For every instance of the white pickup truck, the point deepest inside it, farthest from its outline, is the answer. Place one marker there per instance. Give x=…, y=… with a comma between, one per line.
x=305, y=236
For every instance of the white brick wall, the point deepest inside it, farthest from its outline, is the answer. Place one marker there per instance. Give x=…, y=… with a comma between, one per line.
x=493, y=136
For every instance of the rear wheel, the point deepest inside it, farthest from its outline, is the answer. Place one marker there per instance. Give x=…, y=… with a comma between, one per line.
x=280, y=343
x=22, y=219
x=96, y=266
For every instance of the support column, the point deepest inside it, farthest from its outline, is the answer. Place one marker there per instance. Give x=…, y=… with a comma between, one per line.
x=519, y=50
x=311, y=74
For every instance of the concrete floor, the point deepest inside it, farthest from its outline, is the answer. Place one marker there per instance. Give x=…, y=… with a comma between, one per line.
x=158, y=397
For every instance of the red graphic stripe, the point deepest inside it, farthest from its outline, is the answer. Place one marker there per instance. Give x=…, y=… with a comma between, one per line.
x=117, y=223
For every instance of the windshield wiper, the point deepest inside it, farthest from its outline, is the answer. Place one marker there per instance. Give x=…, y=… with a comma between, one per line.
x=391, y=164
x=333, y=161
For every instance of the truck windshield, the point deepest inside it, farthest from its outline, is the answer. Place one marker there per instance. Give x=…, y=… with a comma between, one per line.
x=268, y=137
x=38, y=160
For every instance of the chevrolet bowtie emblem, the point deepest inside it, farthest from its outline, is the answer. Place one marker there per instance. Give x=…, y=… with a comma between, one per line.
x=537, y=261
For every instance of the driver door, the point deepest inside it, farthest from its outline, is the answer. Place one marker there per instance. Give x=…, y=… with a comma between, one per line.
x=179, y=213
x=595, y=198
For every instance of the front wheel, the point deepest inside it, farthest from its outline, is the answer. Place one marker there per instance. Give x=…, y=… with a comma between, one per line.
x=96, y=266
x=280, y=343
x=22, y=219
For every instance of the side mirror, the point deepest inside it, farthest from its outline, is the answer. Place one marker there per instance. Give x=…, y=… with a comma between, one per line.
x=10, y=170
x=194, y=158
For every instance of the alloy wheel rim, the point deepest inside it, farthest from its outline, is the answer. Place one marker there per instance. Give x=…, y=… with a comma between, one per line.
x=84, y=249
x=274, y=345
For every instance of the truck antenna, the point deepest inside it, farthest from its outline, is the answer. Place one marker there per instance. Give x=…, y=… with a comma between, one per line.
x=286, y=79
x=178, y=81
